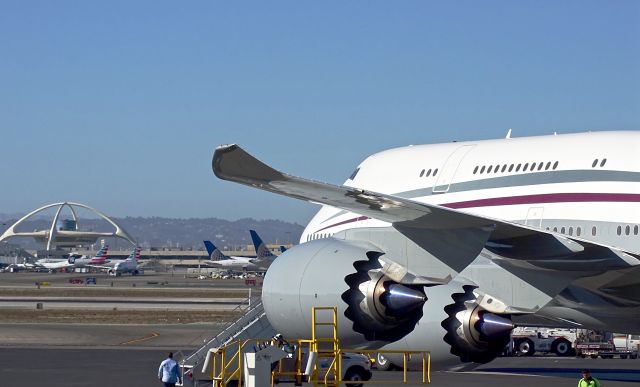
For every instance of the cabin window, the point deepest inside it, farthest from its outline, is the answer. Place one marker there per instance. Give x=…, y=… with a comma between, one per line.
x=482, y=169
x=619, y=230
x=555, y=165
x=603, y=162
x=525, y=167
x=435, y=172
x=595, y=162
x=518, y=167
x=496, y=168
x=422, y=173
x=429, y=173
x=555, y=229
x=546, y=168
x=475, y=170
x=510, y=167
x=570, y=230
x=627, y=230
x=540, y=166
x=562, y=230
x=504, y=167
x=593, y=230
x=489, y=169
x=578, y=231
x=635, y=230
x=533, y=166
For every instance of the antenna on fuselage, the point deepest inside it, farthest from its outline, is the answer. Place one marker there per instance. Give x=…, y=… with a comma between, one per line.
x=508, y=133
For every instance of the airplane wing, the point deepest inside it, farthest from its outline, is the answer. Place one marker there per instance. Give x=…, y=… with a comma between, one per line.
x=545, y=259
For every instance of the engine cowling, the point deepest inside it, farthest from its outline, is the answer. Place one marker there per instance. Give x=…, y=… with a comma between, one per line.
x=373, y=310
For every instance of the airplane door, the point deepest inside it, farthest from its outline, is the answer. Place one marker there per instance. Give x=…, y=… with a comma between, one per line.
x=449, y=169
x=534, y=217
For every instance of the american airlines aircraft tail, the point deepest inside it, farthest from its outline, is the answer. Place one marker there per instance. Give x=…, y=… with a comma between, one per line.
x=101, y=256
x=135, y=254
x=445, y=247
x=214, y=253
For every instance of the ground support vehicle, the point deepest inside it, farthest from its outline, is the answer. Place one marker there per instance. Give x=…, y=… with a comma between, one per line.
x=527, y=341
x=606, y=345
x=604, y=350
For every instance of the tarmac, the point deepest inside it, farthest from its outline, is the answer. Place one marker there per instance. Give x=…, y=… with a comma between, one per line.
x=36, y=354
x=67, y=367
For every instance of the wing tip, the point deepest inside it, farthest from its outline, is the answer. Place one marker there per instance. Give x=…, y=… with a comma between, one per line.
x=226, y=147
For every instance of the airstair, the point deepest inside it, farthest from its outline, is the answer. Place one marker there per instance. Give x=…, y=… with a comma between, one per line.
x=253, y=323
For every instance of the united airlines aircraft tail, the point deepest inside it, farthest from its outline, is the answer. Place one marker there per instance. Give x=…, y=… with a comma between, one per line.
x=214, y=253
x=262, y=251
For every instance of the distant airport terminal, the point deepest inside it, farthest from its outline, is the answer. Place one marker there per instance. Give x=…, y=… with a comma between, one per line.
x=65, y=235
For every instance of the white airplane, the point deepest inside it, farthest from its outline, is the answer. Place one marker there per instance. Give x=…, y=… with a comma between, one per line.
x=444, y=247
x=74, y=260
x=218, y=259
x=128, y=265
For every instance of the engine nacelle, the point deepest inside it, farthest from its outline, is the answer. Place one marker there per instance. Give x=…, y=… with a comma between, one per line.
x=373, y=310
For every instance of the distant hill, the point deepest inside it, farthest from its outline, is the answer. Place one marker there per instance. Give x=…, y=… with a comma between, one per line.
x=176, y=233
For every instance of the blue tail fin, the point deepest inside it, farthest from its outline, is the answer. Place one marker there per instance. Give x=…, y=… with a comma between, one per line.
x=261, y=249
x=214, y=253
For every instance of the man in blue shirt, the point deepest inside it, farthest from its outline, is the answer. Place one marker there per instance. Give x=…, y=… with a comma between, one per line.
x=169, y=371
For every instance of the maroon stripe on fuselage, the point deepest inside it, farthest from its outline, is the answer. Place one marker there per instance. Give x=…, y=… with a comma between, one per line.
x=345, y=222
x=546, y=198
x=526, y=199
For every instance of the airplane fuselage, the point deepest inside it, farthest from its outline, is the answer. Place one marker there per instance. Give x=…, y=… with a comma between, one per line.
x=584, y=185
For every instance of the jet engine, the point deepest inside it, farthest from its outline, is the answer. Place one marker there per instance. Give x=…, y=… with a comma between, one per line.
x=374, y=310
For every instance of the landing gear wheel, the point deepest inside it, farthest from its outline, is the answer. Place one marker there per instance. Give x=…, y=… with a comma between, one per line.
x=561, y=347
x=526, y=347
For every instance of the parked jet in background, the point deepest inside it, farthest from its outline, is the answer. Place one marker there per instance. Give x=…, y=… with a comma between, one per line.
x=218, y=259
x=443, y=247
x=74, y=260
x=128, y=265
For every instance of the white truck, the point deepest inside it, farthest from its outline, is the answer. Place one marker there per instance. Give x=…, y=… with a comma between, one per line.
x=607, y=345
x=529, y=340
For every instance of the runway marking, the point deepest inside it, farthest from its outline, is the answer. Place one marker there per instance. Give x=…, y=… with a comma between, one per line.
x=151, y=336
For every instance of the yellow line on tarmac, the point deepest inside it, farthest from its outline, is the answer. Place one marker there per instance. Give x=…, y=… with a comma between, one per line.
x=151, y=336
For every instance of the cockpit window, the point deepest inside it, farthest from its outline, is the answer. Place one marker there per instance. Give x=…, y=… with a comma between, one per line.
x=353, y=175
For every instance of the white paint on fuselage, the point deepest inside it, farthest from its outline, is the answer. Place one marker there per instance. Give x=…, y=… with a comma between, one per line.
x=398, y=170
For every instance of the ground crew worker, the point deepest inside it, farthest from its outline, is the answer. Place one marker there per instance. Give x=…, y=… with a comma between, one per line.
x=587, y=380
x=169, y=371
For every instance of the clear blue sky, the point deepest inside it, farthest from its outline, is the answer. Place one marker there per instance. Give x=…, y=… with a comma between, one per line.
x=120, y=104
